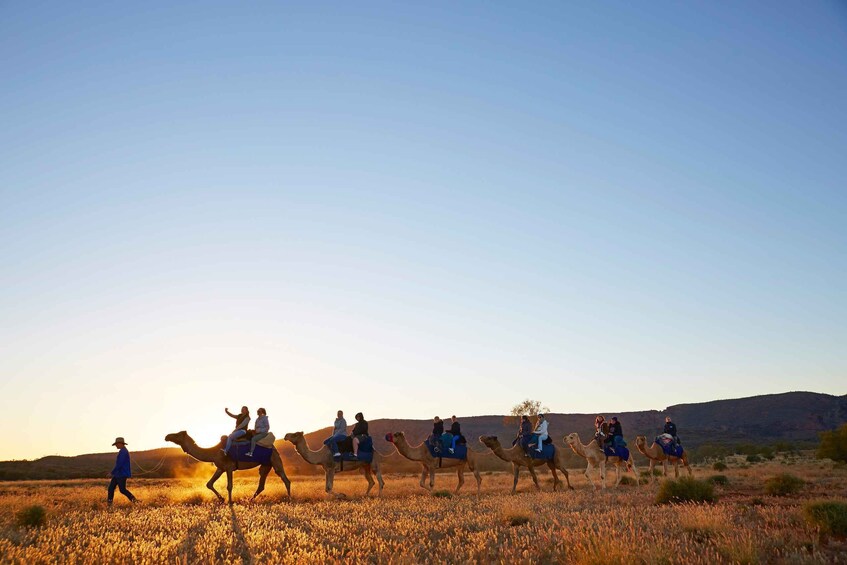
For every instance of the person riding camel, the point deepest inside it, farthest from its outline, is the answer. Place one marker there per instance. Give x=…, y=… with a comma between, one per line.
x=616, y=433
x=456, y=432
x=524, y=433
x=541, y=431
x=339, y=433
x=670, y=429
x=242, y=420
x=360, y=432
x=437, y=432
x=260, y=431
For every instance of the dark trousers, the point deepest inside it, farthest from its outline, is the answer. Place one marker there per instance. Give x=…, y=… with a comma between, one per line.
x=120, y=484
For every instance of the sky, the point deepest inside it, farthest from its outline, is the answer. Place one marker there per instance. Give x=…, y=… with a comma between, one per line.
x=412, y=209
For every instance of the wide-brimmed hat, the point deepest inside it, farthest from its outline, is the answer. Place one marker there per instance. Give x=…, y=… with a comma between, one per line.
x=120, y=440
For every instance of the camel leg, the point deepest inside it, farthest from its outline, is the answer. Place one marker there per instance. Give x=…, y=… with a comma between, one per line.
x=687, y=466
x=460, y=470
x=424, y=473
x=650, y=471
x=366, y=471
x=432, y=477
x=564, y=471
x=588, y=476
x=516, y=470
x=617, y=474
x=263, y=476
x=330, y=474
x=602, y=465
x=280, y=470
x=631, y=465
x=556, y=480
x=211, y=484
x=476, y=476
x=378, y=470
x=534, y=476
x=229, y=485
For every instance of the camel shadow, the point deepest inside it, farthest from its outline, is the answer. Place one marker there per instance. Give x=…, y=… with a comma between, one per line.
x=242, y=548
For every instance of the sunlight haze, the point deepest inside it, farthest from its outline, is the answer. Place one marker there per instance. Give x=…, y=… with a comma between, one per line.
x=412, y=210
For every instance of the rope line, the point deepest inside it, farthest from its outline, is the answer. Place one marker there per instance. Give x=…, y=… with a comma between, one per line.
x=148, y=471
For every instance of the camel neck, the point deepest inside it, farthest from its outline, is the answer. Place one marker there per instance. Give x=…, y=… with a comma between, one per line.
x=413, y=452
x=309, y=455
x=205, y=454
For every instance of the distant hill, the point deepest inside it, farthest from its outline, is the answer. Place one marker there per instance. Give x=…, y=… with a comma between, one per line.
x=793, y=417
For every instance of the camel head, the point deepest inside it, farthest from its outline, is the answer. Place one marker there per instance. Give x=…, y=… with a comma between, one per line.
x=641, y=442
x=490, y=442
x=294, y=437
x=179, y=438
x=392, y=437
x=572, y=439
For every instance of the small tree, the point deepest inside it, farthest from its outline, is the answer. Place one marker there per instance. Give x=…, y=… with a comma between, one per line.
x=528, y=407
x=834, y=444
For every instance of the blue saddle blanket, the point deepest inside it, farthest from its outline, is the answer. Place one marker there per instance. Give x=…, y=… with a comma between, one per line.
x=546, y=453
x=238, y=452
x=669, y=445
x=366, y=451
x=620, y=451
x=673, y=450
x=461, y=452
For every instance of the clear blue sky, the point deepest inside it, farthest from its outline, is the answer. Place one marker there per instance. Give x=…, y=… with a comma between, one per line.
x=413, y=210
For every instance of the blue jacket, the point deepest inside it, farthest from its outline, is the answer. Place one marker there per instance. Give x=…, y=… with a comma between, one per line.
x=122, y=468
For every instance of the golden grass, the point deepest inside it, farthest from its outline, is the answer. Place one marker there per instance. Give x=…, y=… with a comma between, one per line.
x=179, y=521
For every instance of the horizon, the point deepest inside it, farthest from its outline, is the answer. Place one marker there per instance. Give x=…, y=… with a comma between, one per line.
x=279, y=435
x=412, y=210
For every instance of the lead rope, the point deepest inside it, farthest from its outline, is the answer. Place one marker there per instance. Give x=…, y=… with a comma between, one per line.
x=148, y=471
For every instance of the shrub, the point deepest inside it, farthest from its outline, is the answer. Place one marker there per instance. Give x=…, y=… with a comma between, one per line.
x=754, y=459
x=627, y=481
x=32, y=517
x=719, y=466
x=720, y=480
x=834, y=444
x=686, y=489
x=783, y=484
x=829, y=515
x=442, y=494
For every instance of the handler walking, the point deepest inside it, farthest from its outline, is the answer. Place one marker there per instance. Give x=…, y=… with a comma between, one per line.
x=121, y=472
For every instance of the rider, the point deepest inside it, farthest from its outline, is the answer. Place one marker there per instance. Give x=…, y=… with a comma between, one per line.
x=670, y=429
x=242, y=420
x=339, y=433
x=260, y=432
x=360, y=432
x=437, y=432
x=601, y=432
x=541, y=431
x=616, y=433
x=456, y=432
x=524, y=432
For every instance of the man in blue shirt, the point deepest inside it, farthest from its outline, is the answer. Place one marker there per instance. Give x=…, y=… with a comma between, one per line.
x=121, y=472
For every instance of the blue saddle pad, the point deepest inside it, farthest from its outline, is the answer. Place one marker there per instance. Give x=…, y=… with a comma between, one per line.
x=621, y=452
x=547, y=452
x=461, y=452
x=672, y=450
x=261, y=455
x=364, y=456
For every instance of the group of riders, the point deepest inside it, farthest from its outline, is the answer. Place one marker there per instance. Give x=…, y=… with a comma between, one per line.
x=607, y=434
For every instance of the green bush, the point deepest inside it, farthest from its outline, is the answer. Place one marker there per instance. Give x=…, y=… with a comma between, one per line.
x=32, y=517
x=719, y=480
x=719, y=466
x=627, y=481
x=442, y=494
x=686, y=489
x=783, y=484
x=754, y=459
x=834, y=444
x=829, y=515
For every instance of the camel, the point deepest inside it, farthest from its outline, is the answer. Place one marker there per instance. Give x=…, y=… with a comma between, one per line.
x=595, y=457
x=223, y=464
x=323, y=457
x=516, y=456
x=421, y=454
x=654, y=453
